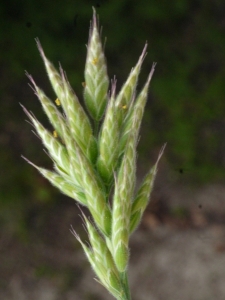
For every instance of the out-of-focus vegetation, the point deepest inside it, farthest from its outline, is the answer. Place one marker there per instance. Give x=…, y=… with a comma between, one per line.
x=186, y=105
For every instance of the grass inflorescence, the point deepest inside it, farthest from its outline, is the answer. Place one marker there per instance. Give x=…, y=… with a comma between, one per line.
x=94, y=157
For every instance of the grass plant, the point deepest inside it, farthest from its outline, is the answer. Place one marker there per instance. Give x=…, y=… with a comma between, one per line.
x=94, y=157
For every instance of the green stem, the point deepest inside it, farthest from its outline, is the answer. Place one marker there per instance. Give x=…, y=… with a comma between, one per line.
x=126, y=287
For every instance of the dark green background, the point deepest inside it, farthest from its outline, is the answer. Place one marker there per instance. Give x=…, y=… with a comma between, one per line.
x=186, y=106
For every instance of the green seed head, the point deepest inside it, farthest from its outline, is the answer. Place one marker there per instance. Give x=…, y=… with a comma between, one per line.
x=97, y=167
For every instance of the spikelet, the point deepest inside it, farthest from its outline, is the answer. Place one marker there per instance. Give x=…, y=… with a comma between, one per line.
x=55, y=117
x=82, y=171
x=66, y=187
x=104, y=257
x=142, y=197
x=121, y=212
x=108, y=277
x=56, y=150
x=96, y=199
x=108, y=141
x=54, y=76
x=96, y=78
x=125, y=96
x=138, y=110
x=79, y=124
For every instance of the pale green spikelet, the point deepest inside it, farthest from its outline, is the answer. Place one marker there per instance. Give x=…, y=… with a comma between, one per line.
x=55, y=117
x=108, y=278
x=96, y=77
x=66, y=187
x=100, y=248
x=127, y=92
x=56, y=150
x=143, y=194
x=74, y=169
x=54, y=76
x=82, y=171
x=135, y=114
x=96, y=198
x=123, y=194
x=79, y=123
x=108, y=141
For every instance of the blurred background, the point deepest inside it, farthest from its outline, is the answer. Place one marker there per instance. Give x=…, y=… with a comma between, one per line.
x=186, y=108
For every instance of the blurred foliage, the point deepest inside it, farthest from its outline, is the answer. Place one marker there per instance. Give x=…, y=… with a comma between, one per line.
x=186, y=102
